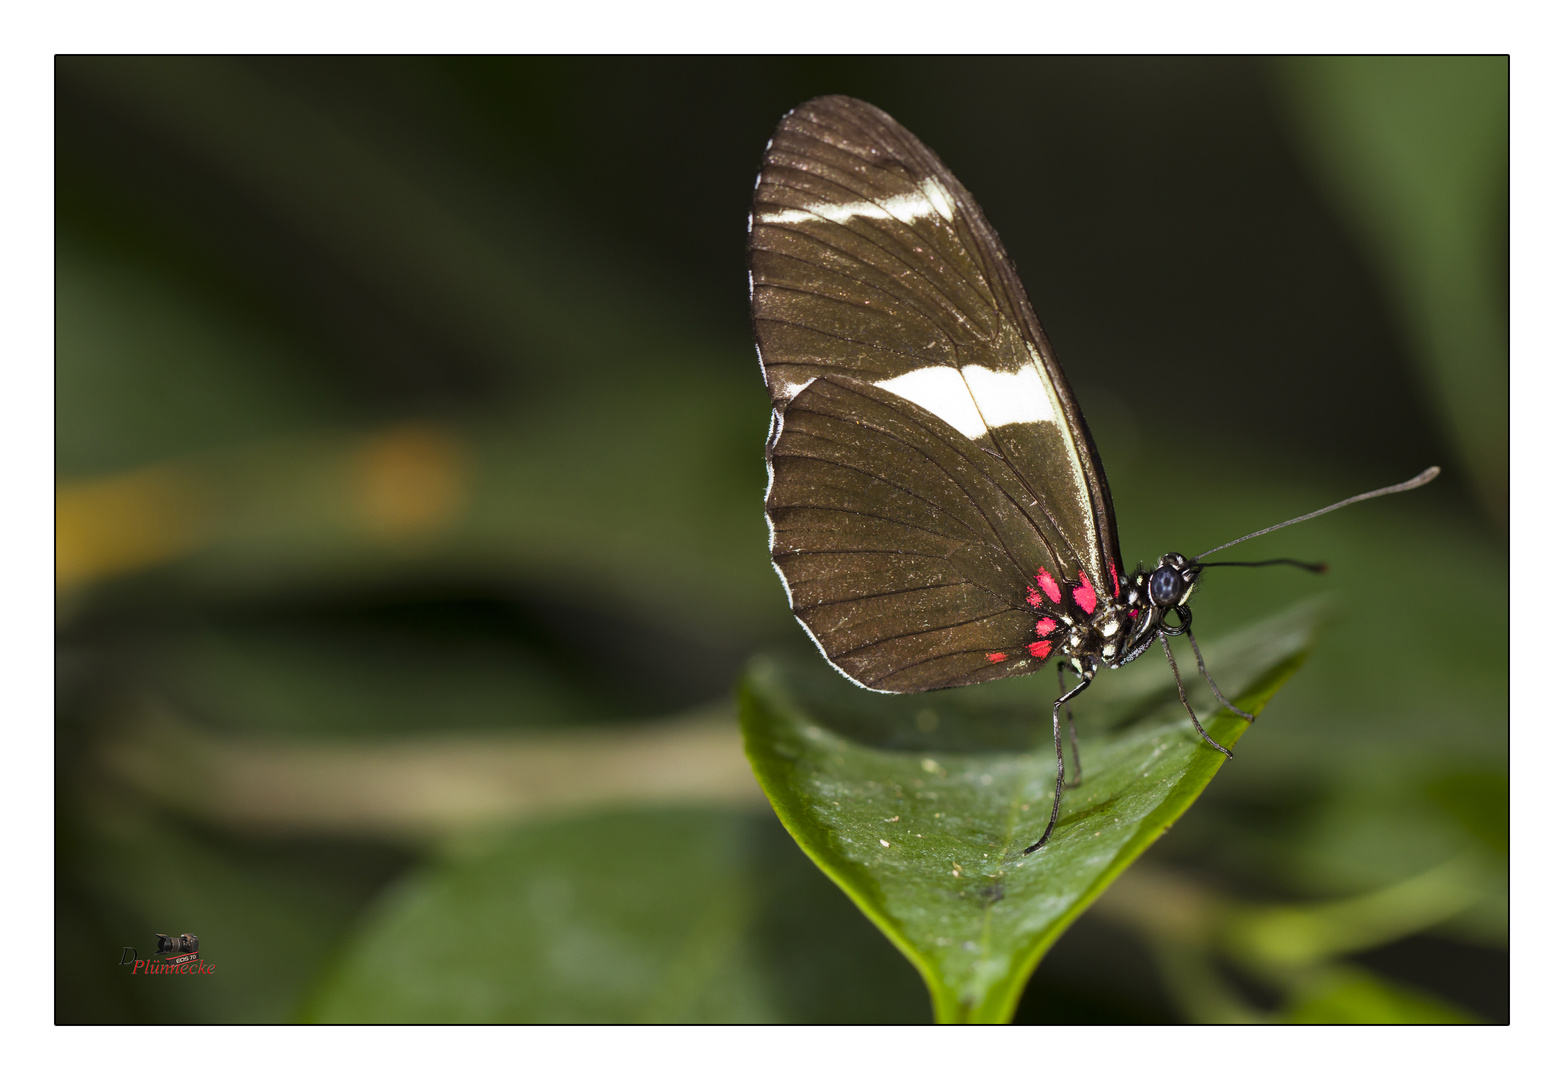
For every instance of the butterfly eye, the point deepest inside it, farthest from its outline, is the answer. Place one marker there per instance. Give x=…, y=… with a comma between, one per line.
x=1165, y=586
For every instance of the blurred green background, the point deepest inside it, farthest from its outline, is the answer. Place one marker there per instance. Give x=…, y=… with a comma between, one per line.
x=409, y=531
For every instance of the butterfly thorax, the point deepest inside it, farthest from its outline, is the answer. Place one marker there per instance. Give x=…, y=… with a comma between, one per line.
x=1104, y=638
x=1118, y=629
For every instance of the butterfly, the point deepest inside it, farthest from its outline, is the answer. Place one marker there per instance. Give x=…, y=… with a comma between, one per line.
x=939, y=515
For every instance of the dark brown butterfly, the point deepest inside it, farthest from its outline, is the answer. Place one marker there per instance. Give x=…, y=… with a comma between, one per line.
x=938, y=512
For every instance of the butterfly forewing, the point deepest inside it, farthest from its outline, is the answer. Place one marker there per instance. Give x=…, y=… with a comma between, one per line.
x=858, y=265
x=878, y=284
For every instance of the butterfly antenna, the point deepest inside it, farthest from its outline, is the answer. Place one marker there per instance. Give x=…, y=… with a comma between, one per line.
x=1311, y=567
x=1407, y=485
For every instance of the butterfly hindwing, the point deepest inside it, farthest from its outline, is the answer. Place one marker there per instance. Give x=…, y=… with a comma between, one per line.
x=909, y=552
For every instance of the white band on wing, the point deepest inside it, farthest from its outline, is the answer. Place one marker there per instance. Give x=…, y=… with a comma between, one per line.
x=931, y=199
x=975, y=399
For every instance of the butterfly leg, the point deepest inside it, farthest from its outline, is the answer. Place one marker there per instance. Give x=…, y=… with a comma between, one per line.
x=1201, y=661
x=1069, y=717
x=1053, y=818
x=1180, y=683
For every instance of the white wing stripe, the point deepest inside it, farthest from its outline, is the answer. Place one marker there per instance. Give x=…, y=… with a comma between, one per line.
x=904, y=208
x=975, y=399
x=1010, y=397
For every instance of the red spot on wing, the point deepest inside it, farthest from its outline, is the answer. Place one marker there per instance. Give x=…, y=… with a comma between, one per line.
x=1113, y=572
x=1046, y=582
x=1045, y=627
x=996, y=657
x=1033, y=597
x=1085, y=595
x=1040, y=649
x=1134, y=612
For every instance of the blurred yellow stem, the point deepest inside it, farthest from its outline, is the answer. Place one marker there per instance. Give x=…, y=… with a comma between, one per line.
x=426, y=787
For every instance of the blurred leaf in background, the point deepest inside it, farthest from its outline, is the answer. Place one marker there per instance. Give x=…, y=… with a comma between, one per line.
x=1415, y=149
x=410, y=537
x=684, y=916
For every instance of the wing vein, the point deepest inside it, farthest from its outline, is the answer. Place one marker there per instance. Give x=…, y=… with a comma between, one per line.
x=900, y=301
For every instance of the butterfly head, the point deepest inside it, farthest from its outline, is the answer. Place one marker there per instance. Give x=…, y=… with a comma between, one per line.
x=1172, y=582
x=1153, y=594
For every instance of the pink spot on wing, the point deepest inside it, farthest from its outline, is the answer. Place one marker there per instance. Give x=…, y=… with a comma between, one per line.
x=1033, y=597
x=1134, y=612
x=1046, y=581
x=1045, y=627
x=1085, y=595
x=1040, y=649
x=996, y=657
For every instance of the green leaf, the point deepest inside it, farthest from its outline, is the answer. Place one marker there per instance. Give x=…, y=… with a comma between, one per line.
x=680, y=915
x=919, y=806
x=1295, y=934
x=1351, y=995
